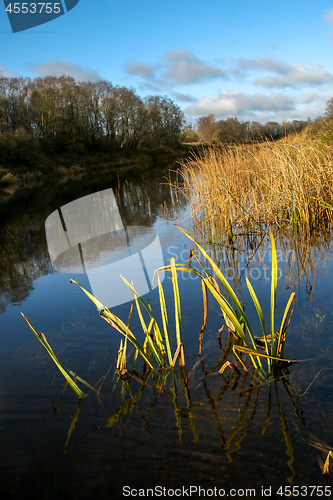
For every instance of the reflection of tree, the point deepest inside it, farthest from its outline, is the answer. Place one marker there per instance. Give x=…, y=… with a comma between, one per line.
x=24, y=260
x=141, y=205
x=23, y=247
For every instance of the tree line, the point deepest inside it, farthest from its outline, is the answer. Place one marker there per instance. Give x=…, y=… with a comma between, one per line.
x=59, y=114
x=56, y=114
x=210, y=130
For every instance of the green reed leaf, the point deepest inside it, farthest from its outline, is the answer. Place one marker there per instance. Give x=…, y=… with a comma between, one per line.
x=283, y=327
x=177, y=302
x=273, y=291
x=42, y=339
x=259, y=311
x=164, y=319
x=225, y=283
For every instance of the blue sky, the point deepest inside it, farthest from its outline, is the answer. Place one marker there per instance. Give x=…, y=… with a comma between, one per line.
x=255, y=60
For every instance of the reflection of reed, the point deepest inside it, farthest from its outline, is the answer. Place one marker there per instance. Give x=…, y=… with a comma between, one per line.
x=155, y=385
x=240, y=427
x=213, y=406
x=298, y=258
x=286, y=436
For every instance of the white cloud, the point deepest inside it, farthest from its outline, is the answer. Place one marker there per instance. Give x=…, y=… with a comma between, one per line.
x=180, y=97
x=328, y=15
x=234, y=102
x=259, y=107
x=56, y=67
x=7, y=72
x=186, y=68
x=142, y=69
x=286, y=75
x=263, y=63
x=287, y=90
x=178, y=67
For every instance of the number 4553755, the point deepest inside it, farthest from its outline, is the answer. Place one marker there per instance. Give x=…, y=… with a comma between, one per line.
x=33, y=8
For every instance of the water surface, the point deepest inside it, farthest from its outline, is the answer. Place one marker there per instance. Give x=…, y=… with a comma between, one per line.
x=214, y=432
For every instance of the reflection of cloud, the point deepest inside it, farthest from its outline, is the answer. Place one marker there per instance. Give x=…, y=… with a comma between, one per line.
x=7, y=72
x=286, y=75
x=178, y=67
x=261, y=107
x=186, y=68
x=56, y=67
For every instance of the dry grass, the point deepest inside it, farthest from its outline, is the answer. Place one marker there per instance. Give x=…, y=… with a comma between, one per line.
x=270, y=184
x=8, y=182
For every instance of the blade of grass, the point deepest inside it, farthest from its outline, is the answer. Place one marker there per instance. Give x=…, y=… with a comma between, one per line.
x=260, y=314
x=164, y=319
x=177, y=302
x=283, y=328
x=231, y=315
x=225, y=283
x=204, y=295
x=251, y=352
x=273, y=292
x=42, y=339
x=142, y=321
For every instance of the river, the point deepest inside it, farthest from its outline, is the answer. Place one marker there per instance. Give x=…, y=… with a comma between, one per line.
x=225, y=435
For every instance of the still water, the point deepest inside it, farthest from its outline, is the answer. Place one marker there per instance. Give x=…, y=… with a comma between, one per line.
x=217, y=433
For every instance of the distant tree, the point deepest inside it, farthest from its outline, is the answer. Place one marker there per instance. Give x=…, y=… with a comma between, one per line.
x=130, y=117
x=206, y=126
x=190, y=135
x=165, y=121
x=329, y=108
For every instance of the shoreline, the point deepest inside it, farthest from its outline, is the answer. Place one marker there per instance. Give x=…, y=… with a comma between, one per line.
x=48, y=170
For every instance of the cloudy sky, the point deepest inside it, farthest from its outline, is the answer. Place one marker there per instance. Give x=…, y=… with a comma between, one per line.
x=255, y=60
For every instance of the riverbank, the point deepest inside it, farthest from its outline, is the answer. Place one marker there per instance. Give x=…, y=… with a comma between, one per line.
x=73, y=167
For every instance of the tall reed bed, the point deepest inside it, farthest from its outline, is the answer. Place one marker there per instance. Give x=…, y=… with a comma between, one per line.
x=251, y=186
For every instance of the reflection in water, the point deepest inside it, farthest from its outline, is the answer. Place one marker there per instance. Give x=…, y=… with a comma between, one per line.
x=157, y=387
x=24, y=259
x=25, y=252
x=250, y=255
x=23, y=244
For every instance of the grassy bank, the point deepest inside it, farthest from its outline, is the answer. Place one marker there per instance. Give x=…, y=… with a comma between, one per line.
x=246, y=187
